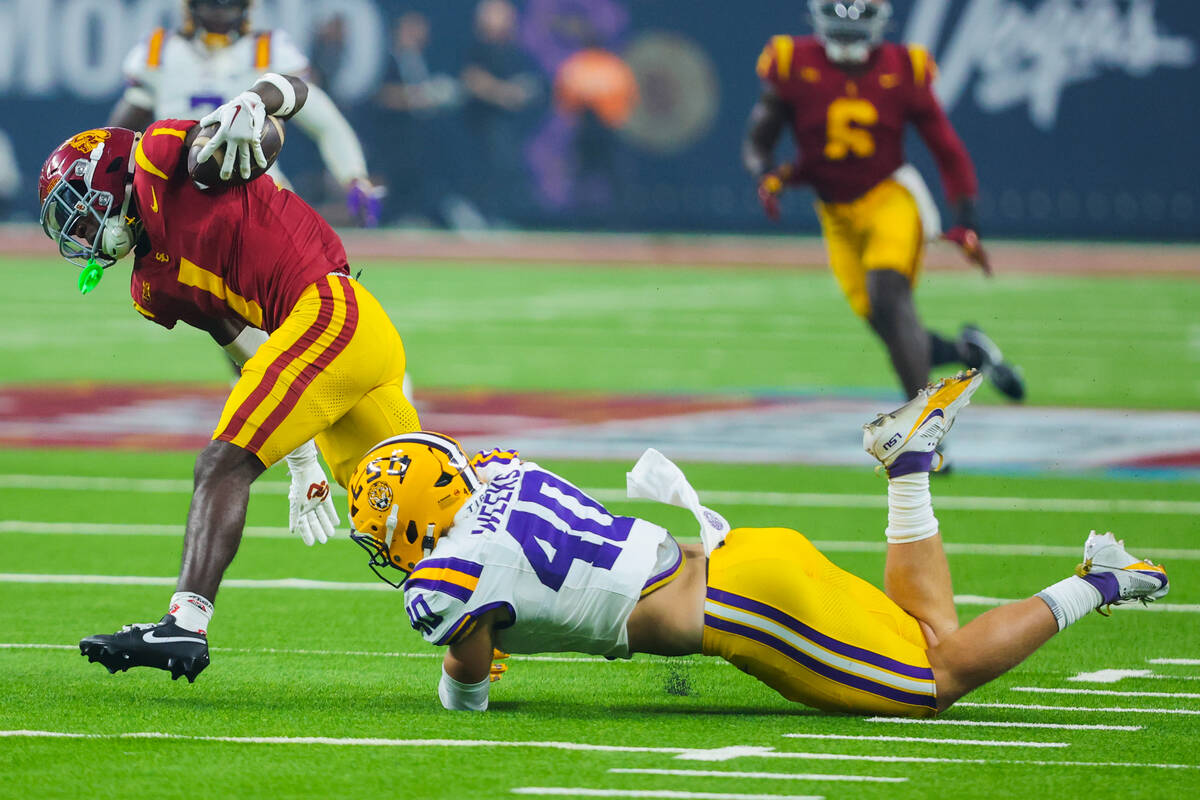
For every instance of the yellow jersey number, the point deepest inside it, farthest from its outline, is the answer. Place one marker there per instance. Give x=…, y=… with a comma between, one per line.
x=846, y=128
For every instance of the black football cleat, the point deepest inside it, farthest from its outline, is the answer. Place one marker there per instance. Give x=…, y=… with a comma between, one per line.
x=162, y=645
x=985, y=356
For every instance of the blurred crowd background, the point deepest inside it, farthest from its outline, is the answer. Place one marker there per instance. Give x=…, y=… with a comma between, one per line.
x=627, y=115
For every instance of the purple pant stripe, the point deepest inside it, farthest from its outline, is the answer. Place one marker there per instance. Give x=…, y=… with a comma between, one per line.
x=824, y=670
x=828, y=642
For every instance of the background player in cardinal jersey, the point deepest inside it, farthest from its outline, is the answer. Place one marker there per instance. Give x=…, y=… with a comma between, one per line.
x=499, y=552
x=846, y=96
x=259, y=270
x=215, y=54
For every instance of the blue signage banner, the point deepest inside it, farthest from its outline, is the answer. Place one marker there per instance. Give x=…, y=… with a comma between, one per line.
x=1081, y=115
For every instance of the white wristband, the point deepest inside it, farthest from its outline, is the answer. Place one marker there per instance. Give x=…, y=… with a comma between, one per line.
x=285, y=88
x=458, y=696
x=245, y=344
x=302, y=455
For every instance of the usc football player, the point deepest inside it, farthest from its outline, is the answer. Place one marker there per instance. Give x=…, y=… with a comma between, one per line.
x=846, y=96
x=186, y=73
x=259, y=270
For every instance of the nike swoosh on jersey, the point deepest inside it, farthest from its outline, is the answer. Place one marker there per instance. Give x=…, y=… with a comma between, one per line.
x=150, y=638
x=153, y=201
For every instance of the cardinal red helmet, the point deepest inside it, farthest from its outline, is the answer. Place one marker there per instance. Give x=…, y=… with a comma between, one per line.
x=85, y=188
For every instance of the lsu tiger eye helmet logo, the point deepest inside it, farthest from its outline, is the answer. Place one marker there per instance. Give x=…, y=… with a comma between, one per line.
x=87, y=141
x=379, y=497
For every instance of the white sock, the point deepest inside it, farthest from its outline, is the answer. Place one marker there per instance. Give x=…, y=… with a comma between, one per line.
x=192, y=612
x=910, y=509
x=1071, y=599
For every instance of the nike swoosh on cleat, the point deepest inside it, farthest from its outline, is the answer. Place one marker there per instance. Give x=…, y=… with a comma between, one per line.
x=150, y=638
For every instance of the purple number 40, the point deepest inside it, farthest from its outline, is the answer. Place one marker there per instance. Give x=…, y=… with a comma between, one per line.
x=549, y=548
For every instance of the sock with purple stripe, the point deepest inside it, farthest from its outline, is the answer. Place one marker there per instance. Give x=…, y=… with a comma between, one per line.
x=1072, y=598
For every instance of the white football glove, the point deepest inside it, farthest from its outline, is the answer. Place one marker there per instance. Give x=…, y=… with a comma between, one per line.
x=311, y=513
x=241, y=123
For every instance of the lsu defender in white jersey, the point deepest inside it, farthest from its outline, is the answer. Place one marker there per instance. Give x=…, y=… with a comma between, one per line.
x=215, y=55
x=567, y=572
x=562, y=570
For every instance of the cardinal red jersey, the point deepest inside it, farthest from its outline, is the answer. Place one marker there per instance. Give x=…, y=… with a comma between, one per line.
x=848, y=125
x=244, y=253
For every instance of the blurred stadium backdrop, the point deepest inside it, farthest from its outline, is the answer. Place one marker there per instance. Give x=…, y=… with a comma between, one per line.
x=1077, y=112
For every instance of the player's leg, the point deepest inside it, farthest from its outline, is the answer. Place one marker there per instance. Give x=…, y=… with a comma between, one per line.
x=216, y=517
x=1003, y=637
x=377, y=364
x=917, y=575
x=891, y=258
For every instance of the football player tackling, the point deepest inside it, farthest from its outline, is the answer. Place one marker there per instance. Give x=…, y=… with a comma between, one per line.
x=259, y=270
x=497, y=552
x=847, y=96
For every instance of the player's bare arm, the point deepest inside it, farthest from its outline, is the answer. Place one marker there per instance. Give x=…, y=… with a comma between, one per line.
x=767, y=120
x=470, y=660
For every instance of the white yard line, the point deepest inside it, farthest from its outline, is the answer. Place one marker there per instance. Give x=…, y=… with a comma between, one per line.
x=971, y=742
x=357, y=586
x=778, y=776
x=684, y=753
x=78, y=483
x=575, y=791
x=1078, y=709
x=1186, y=662
x=644, y=659
x=1108, y=692
x=1064, y=726
x=82, y=528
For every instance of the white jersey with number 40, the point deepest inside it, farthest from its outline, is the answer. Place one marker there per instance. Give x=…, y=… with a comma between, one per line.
x=179, y=77
x=567, y=572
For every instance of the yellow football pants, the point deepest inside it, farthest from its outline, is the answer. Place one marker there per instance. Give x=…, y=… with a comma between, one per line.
x=333, y=370
x=880, y=230
x=779, y=610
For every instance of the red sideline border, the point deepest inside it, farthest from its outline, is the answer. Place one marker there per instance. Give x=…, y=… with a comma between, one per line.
x=397, y=245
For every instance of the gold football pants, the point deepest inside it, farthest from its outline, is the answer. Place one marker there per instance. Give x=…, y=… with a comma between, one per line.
x=333, y=370
x=779, y=610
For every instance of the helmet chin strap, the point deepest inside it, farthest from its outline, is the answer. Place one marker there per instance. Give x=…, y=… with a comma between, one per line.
x=117, y=237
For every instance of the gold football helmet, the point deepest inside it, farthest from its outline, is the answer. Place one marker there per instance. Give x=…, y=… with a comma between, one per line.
x=404, y=495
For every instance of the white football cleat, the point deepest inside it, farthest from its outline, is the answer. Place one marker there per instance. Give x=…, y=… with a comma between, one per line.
x=1119, y=577
x=905, y=441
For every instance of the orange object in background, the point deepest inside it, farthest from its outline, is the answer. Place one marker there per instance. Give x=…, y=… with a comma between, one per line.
x=598, y=81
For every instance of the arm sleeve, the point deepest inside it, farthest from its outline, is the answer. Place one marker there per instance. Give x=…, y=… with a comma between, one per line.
x=457, y=696
x=954, y=163
x=339, y=146
x=141, y=78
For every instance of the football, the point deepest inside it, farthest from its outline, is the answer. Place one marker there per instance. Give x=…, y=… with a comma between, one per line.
x=208, y=174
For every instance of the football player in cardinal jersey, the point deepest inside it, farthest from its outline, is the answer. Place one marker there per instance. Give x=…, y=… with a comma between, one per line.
x=258, y=269
x=847, y=95
x=215, y=54
x=497, y=552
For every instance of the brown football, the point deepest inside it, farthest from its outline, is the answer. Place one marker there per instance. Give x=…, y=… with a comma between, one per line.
x=209, y=173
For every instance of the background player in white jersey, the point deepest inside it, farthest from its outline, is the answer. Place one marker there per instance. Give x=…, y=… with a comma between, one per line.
x=212, y=58
x=498, y=552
